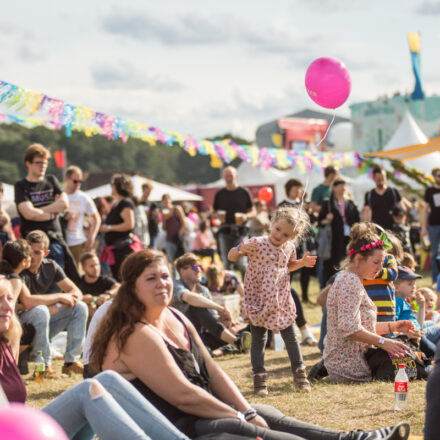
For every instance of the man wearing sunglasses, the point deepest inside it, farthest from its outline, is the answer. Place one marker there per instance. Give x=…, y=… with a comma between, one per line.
x=39, y=199
x=195, y=301
x=80, y=204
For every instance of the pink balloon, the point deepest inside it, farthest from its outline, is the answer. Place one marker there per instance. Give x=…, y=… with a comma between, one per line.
x=21, y=422
x=328, y=82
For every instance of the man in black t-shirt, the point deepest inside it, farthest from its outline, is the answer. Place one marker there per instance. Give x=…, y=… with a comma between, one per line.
x=51, y=313
x=97, y=289
x=431, y=222
x=380, y=201
x=39, y=199
x=234, y=207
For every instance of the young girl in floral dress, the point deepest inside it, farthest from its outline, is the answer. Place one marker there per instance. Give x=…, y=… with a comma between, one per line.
x=267, y=302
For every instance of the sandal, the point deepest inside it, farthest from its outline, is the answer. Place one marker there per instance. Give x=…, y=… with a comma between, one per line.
x=300, y=380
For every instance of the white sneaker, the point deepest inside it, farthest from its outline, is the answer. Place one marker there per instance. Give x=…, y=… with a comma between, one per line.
x=309, y=340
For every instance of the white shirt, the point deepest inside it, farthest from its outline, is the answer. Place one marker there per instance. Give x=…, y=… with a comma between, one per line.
x=79, y=204
x=93, y=326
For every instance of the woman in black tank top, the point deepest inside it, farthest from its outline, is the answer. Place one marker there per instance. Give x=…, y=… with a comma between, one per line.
x=160, y=352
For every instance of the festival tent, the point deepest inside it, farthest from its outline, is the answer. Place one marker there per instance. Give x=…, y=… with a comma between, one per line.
x=418, y=152
x=407, y=133
x=8, y=193
x=159, y=189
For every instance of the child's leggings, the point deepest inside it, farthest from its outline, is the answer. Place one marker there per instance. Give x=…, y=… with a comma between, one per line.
x=259, y=339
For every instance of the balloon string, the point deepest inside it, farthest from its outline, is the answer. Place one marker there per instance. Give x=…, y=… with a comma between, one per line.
x=308, y=174
x=326, y=132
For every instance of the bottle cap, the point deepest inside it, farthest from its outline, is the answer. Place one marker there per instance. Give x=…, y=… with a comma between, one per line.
x=401, y=365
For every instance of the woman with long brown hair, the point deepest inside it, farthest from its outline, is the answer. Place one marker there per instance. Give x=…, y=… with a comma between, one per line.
x=158, y=350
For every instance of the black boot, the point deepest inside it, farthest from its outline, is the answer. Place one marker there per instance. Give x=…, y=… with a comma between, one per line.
x=318, y=371
x=398, y=432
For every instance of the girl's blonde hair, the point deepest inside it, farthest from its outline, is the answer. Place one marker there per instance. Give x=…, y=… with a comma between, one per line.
x=296, y=217
x=215, y=277
x=426, y=291
x=397, y=249
x=408, y=261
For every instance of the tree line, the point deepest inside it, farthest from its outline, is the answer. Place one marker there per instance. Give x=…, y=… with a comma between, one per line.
x=167, y=164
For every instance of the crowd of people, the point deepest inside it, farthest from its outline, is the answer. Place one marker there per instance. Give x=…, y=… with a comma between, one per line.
x=137, y=286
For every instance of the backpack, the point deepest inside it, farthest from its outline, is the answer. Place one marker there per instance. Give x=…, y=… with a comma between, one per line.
x=383, y=367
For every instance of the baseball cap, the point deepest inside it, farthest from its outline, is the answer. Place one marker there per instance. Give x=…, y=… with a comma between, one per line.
x=405, y=273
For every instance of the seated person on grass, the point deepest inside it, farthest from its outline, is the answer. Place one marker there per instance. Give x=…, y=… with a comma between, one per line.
x=52, y=313
x=195, y=301
x=405, y=292
x=223, y=281
x=96, y=288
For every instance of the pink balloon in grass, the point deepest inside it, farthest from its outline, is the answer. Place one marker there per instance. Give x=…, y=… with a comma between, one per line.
x=328, y=82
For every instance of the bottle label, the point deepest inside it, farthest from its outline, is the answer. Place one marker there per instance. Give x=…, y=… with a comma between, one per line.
x=401, y=387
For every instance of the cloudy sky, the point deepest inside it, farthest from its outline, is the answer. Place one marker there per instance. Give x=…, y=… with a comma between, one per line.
x=206, y=67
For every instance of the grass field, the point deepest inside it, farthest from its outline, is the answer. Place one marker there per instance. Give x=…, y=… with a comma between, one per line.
x=341, y=406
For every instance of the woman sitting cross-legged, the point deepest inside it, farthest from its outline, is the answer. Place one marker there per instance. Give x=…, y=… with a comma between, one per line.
x=351, y=314
x=158, y=350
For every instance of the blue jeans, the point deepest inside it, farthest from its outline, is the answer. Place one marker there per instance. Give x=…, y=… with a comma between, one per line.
x=434, y=238
x=47, y=326
x=121, y=413
x=57, y=254
x=432, y=331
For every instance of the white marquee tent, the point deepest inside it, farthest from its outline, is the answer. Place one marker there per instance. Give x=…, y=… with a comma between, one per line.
x=409, y=133
x=159, y=189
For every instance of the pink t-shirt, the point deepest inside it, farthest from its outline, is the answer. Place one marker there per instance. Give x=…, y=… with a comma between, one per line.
x=267, y=299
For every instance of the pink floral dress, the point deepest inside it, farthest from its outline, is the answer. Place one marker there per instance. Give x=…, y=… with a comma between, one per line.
x=349, y=310
x=267, y=300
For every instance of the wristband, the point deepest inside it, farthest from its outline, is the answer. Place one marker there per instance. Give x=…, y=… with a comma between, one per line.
x=381, y=341
x=250, y=414
x=389, y=327
x=238, y=248
x=108, y=228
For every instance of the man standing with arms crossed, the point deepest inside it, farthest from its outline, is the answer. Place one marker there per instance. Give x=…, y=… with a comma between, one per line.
x=39, y=199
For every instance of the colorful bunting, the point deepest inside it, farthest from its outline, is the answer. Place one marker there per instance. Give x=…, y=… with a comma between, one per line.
x=56, y=114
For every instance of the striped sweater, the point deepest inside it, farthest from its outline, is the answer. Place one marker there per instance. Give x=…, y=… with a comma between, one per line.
x=382, y=292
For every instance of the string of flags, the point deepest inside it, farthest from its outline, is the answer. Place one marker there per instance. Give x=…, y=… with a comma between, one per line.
x=32, y=109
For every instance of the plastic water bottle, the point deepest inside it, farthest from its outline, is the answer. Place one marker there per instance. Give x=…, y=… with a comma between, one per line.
x=40, y=366
x=401, y=388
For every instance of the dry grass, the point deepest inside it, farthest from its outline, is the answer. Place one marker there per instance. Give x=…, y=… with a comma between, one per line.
x=341, y=406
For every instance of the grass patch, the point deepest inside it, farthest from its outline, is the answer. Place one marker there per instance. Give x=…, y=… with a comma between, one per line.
x=340, y=407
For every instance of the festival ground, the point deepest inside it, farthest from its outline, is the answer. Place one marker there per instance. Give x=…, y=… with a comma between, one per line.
x=337, y=406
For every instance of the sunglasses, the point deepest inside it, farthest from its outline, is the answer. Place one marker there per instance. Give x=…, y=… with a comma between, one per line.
x=77, y=181
x=196, y=267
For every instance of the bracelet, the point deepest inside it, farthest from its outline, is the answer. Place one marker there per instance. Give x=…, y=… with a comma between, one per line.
x=108, y=228
x=238, y=248
x=250, y=414
x=389, y=327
